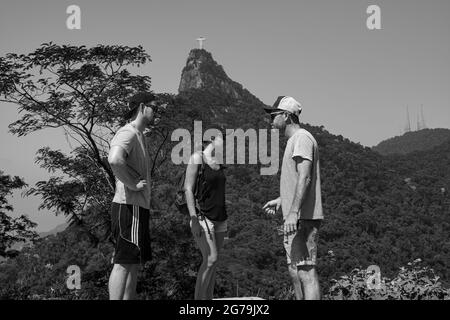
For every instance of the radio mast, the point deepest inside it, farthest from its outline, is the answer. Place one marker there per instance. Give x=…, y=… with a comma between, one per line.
x=408, y=122
x=422, y=118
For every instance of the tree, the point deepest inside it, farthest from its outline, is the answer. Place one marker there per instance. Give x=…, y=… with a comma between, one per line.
x=12, y=230
x=84, y=91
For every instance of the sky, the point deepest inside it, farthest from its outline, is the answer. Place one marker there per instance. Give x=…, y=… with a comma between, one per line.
x=354, y=81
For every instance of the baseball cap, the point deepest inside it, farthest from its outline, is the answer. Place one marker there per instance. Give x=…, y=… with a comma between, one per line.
x=136, y=100
x=286, y=103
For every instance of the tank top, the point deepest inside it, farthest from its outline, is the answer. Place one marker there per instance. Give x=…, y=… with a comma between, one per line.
x=212, y=194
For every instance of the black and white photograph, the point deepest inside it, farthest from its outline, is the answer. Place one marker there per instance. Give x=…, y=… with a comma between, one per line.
x=238, y=152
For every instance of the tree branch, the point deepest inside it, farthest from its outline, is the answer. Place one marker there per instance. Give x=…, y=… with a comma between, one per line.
x=156, y=155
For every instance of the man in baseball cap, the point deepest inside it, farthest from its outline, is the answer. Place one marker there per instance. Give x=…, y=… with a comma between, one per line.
x=285, y=103
x=300, y=197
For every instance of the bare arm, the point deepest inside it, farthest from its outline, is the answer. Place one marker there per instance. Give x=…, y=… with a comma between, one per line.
x=304, y=167
x=117, y=160
x=189, y=182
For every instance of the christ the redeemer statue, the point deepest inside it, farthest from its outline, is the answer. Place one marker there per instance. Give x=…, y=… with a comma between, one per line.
x=200, y=42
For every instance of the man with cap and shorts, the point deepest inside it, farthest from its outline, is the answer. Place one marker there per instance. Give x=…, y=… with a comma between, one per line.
x=129, y=161
x=300, y=197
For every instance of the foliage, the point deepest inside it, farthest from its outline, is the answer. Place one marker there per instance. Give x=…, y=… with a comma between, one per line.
x=84, y=91
x=12, y=230
x=414, y=282
x=39, y=272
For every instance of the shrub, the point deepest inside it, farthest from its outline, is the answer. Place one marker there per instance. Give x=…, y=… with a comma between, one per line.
x=414, y=282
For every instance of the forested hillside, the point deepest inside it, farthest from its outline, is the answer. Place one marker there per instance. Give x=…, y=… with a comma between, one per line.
x=422, y=140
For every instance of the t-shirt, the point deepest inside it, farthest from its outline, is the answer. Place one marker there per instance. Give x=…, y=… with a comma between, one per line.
x=132, y=141
x=301, y=144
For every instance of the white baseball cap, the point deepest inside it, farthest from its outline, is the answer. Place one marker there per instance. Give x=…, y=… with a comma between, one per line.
x=286, y=103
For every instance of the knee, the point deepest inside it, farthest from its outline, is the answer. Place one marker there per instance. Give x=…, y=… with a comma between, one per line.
x=211, y=260
x=307, y=274
x=293, y=272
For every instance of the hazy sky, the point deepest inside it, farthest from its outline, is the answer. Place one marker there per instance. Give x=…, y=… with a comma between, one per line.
x=354, y=81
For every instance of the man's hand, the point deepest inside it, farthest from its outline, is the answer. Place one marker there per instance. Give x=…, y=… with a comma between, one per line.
x=141, y=185
x=290, y=223
x=272, y=206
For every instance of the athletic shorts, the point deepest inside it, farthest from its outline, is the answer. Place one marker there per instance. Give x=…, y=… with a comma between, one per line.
x=214, y=226
x=301, y=246
x=130, y=232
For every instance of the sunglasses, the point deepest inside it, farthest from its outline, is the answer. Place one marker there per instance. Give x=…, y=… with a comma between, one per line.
x=274, y=114
x=157, y=109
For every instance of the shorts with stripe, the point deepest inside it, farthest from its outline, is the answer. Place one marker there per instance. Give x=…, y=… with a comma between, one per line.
x=131, y=234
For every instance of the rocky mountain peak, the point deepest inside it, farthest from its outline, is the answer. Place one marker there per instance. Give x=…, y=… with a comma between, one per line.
x=203, y=72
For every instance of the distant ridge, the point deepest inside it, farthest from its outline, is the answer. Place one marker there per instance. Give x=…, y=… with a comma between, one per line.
x=55, y=230
x=421, y=140
x=18, y=246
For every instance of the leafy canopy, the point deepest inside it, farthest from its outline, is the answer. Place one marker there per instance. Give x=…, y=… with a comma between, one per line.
x=12, y=230
x=84, y=92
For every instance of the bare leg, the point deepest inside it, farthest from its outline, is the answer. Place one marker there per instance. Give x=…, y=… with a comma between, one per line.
x=198, y=283
x=130, y=288
x=117, y=281
x=296, y=282
x=208, y=248
x=310, y=281
x=220, y=236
